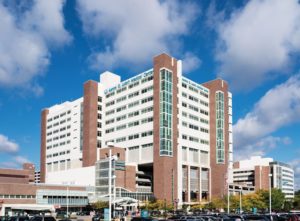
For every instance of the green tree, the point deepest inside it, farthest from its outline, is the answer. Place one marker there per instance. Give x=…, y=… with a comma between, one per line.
x=296, y=203
x=100, y=205
x=253, y=200
x=277, y=200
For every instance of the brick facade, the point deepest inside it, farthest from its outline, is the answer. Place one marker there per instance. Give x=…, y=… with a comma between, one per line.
x=261, y=176
x=218, y=172
x=90, y=114
x=165, y=167
x=44, y=114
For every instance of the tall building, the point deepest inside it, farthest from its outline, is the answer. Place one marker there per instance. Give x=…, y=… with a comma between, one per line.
x=261, y=173
x=176, y=131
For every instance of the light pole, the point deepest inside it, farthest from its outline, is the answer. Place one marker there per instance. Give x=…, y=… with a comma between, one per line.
x=240, y=200
x=67, y=201
x=109, y=185
x=270, y=194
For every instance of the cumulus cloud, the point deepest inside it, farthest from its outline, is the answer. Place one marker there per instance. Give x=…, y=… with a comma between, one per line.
x=190, y=62
x=8, y=146
x=26, y=38
x=15, y=162
x=135, y=31
x=260, y=147
x=21, y=159
x=258, y=41
x=279, y=107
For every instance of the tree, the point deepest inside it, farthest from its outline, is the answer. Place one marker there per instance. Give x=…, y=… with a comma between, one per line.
x=253, y=200
x=100, y=205
x=296, y=203
x=277, y=201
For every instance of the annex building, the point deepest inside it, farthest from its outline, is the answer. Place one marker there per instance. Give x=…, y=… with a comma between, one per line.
x=263, y=173
x=172, y=136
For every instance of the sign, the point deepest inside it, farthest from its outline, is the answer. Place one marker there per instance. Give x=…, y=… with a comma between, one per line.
x=144, y=213
x=106, y=214
x=254, y=210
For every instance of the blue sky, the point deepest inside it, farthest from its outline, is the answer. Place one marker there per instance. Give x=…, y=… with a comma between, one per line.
x=49, y=48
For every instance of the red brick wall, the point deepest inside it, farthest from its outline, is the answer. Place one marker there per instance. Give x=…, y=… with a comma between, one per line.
x=164, y=167
x=130, y=175
x=218, y=171
x=261, y=177
x=90, y=115
x=104, y=152
x=44, y=114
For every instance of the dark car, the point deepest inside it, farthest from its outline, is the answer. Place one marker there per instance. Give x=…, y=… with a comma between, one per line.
x=143, y=219
x=236, y=217
x=4, y=218
x=18, y=218
x=42, y=218
x=257, y=217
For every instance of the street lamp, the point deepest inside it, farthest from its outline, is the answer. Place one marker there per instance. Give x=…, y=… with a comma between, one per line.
x=67, y=201
x=270, y=194
x=109, y=185
x=240, y=200
x=111, y=158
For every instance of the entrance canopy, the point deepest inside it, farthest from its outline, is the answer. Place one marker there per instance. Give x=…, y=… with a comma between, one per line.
x=121, y=201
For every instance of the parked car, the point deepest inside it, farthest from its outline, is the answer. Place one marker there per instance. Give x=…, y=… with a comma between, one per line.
x=4, y=218
x=18, y=218
x=236, y=217
x=42, y=218
x=143, y=219
x=257, y=217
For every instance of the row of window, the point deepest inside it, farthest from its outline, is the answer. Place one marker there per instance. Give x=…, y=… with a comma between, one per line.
x=58, y=144
x=133, y=104
x=133, y=136
x=131, y=124
x=7, y=196
x=58, y=137
x=193, y=117
x=195, y=90
x=124, y=88
x=194, y=139
x=123, y=98
x=57, y=116
x=194, y=108
x=192, y=98
x=58, y=154
x=194, y=127
x=59, y=165
x=143, y=134
x=58, y=123
x=143, y=146
x=135, y=113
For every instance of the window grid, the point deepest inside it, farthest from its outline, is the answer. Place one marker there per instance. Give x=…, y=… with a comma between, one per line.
x=166, y=89
x=220, y=156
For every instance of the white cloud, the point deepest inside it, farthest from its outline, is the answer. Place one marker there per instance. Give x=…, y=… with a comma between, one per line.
x=134, y=31
x=25, y=40
x=190, y=62
x=15, y=162
x=21, y=160
x=260, y=147
x=46, y=18
x=8, y=146
x=258, y=41
x=279, y=107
